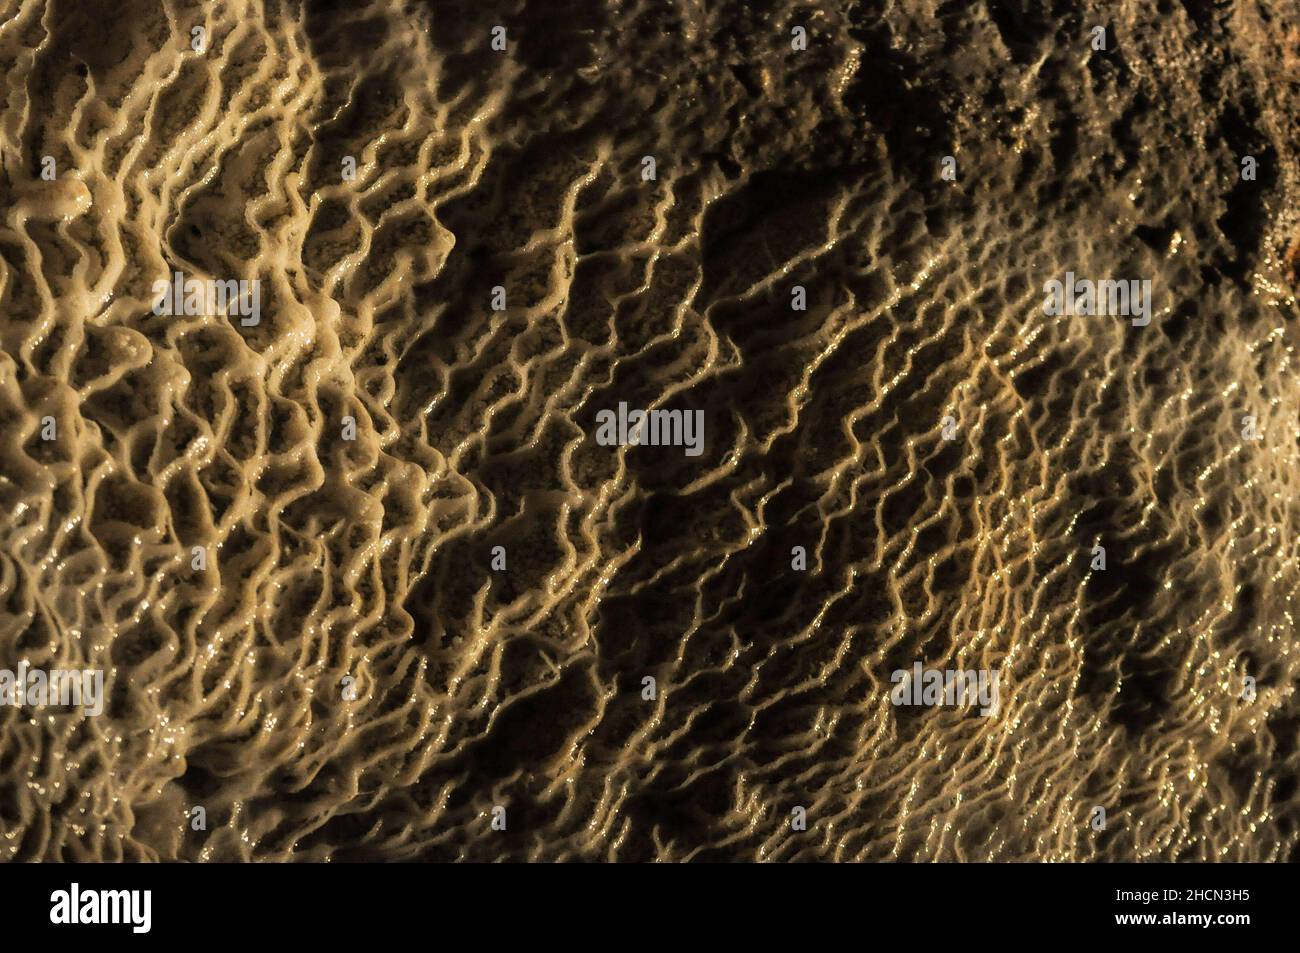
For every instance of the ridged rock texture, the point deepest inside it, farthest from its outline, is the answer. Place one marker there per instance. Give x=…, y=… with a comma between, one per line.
x=348, y=678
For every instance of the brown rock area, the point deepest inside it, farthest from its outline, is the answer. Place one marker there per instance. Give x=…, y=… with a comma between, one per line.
x=277, y=540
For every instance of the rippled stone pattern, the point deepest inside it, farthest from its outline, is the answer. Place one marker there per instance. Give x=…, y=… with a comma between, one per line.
x=370, y=559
